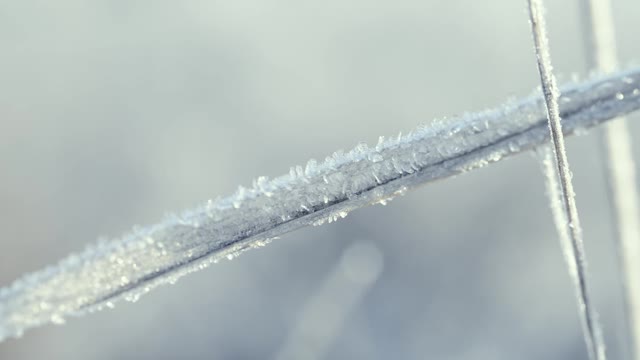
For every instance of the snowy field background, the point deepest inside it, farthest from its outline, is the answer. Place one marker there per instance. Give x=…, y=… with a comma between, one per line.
x=113, y=113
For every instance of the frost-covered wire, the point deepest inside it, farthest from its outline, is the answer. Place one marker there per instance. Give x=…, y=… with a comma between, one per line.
x=560, y=220
x=601, y=55
x=554, y=193
x=312, y=195
x=577, y=260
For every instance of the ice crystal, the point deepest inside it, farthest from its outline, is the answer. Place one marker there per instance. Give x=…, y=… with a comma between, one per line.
x=313, y=194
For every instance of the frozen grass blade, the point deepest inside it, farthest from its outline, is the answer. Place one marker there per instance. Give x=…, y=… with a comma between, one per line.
x=571, y=226
x=554, y=193
x=601, y=55
x=320, y=192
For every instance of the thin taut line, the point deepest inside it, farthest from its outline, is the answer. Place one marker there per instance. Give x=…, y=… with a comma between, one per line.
x=591, y=328
x=147, y=257
x=601, y=55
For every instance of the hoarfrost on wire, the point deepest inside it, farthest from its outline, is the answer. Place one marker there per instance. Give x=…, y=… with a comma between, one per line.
x=320, y=192
x=577, y=261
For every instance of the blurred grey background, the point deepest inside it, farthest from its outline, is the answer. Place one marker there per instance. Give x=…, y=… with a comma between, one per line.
x=114, y=112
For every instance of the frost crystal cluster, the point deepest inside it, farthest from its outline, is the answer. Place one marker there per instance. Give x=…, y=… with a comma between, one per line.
x=317, y=193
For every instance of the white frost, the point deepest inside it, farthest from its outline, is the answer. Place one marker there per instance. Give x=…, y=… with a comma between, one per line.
x=578, y=259
x=320, y=191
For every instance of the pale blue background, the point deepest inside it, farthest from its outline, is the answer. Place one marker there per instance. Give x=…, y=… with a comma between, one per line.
x=113, y=112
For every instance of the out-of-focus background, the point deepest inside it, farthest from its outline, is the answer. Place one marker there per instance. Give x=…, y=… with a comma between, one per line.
x=114, y=112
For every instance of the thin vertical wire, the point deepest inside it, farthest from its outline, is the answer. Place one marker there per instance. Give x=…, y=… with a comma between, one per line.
x=591, y=328
x=601, y=55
